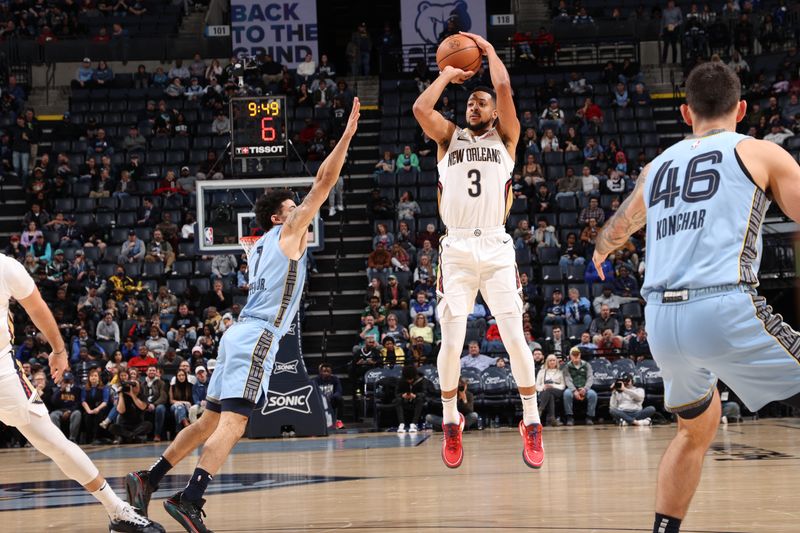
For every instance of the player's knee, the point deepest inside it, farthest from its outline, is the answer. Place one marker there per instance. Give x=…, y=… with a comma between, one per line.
x=232, y=423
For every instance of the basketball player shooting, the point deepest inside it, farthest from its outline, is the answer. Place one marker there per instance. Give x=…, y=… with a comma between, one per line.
x=475, y=166
x=21, y=407
x=704, y=201
x=247, y=350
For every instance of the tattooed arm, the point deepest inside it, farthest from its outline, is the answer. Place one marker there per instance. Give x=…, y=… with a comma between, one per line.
x=630, y=218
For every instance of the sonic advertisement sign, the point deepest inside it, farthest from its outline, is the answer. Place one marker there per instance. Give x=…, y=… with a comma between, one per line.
x=423, y=21
x=292, y=399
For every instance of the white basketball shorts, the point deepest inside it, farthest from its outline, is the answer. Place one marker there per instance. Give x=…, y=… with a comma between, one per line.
x=18, y=397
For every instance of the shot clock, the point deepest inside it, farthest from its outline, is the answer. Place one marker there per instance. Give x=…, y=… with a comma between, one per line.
x=258, y=126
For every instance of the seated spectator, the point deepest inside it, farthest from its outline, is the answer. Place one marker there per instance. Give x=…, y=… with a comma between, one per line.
x=586, y=346
x=330, y=388
x=407, y=207
x=529, y=145
x=543, y=201
x=223, y=266
x=492, y=342
x=639, y=346
x=428, y=249
x=593, y=210
x=425, y=270
x=221, y=124
x=640, y=97
x=66, y=407
x=545, y=234
x=199, y=390
x=571, y=253
x=590, y=182
x=578, y=85
x=180, y=399
x=579, y=378
x=197, y=68
x=369, y=329
x=421, y=306
x=778, y=133
x=555, y=312
x=84, y=77
x=103, y=76
x=385, y=165
x=602, y=322
x=410, y=399
x=621, y=98
x=549, y=141
x=550, y=387
x=625, y=284
x=590, y=112
x=132, y=405
x=382, y=236
x=179, y=71
x=616, y=182
x=552, y=117
x=160, y=250
x=15, y=248
x=156, y=343
x=556, y=344
x=391, y=354
x=322, y=96
x=395, y=330
x=422, y=329
x=578, y=309
x=306, y=69
x=627, y=401
x=401, y=261
x=374, y=310
x=589, y=234
x=475, y=359
x=569, y=185
x=408, y=161
x=612, y=301
x=405, y=238
x=395, y=295
x=608, y=344
x=147, y=214
x=379, y=263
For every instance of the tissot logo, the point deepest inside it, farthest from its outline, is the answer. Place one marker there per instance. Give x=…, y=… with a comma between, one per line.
x=296, y=400
x=251, y=150
x=290, y=367
x=65, y=492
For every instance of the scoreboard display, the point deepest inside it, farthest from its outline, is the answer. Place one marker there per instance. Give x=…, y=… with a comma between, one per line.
x=258, y=126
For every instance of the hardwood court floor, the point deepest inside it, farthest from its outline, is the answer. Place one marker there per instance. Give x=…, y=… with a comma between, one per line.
x=597, y=479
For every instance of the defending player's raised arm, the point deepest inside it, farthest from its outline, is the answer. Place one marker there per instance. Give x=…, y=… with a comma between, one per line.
x=433, y=123
x=630, y=218
x=327, y=176
x=774, y=170
x=508, y=122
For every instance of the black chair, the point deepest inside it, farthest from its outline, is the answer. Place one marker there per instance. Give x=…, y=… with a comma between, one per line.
x=495, y=388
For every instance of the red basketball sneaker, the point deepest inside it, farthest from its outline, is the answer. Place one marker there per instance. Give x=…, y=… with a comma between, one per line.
x=452, y=451
x=533, y=450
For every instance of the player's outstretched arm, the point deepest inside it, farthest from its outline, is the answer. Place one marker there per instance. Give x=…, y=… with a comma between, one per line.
x=327, y=176
x=630, y=218
x=433, y=123
x=43, y=319
x=774, y=170
x=508, y=122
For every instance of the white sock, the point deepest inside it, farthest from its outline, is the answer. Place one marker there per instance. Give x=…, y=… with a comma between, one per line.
x=450, y=411
x=112, y=503
x=530, y=410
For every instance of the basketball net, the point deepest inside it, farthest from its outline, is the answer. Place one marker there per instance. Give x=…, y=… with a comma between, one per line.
x=248, y=242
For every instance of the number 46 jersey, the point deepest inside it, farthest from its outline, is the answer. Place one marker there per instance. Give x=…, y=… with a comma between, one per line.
x=475, y=181
x=704, y=216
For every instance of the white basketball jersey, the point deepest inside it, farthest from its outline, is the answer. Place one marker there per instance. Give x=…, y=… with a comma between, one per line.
x=475, y=181
x=15, y=282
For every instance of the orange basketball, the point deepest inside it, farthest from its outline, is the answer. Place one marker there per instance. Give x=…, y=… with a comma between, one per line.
x=459, y=51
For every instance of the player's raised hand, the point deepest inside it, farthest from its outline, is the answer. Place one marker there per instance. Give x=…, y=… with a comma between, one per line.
x=456, y=75
x=598, y=260
x=482, y=43
x=58, y=365
x=352, y=122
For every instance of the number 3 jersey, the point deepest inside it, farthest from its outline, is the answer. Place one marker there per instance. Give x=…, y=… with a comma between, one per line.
x=475, y=181
x=704, y=216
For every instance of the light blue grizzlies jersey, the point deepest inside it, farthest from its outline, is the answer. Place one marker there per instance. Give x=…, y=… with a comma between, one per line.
x=276, y=282
x=704, y=216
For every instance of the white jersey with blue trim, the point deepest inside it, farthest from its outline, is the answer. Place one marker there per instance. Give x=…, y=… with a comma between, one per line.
x=704, y=216
x=276, y=282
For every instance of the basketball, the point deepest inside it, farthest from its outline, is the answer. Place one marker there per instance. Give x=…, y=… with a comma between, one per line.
x=459, y=51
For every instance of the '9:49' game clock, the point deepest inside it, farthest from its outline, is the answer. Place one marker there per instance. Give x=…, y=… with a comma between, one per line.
x=258, y=126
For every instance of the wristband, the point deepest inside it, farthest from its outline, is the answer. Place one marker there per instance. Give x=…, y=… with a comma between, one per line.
x=62, y=350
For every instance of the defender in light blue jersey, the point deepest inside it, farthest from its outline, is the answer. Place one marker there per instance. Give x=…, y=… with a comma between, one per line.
x=704, y=201
x=247, y=351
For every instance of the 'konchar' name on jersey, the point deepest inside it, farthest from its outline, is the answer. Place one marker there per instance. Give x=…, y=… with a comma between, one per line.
x=477, y=153
x=672, y=224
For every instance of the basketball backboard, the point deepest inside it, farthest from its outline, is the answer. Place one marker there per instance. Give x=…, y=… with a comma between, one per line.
x=225, y=211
